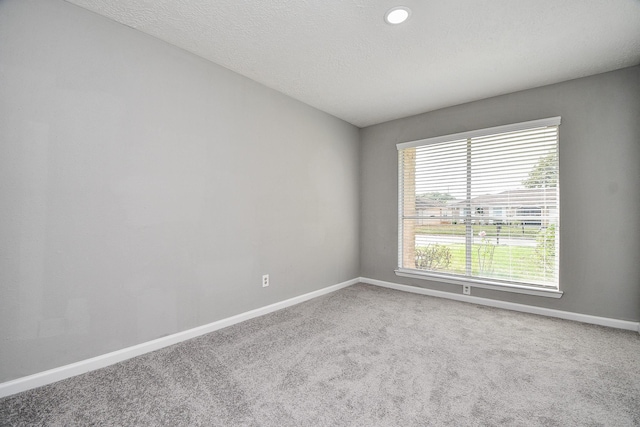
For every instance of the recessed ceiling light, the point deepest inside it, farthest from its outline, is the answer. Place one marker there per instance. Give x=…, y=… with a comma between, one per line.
x=397, y=15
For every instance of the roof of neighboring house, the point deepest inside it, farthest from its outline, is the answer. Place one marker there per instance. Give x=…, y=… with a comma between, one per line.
x=425, y=202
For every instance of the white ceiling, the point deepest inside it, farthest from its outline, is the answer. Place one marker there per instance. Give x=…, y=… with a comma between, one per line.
x=341, y=57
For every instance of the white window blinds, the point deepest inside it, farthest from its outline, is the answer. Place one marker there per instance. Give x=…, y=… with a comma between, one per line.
x=482, y=204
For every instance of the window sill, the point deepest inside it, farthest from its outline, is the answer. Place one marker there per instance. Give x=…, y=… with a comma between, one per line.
x=479, y=283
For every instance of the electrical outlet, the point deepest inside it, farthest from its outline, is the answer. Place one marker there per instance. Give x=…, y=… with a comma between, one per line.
x=466, y=289
x=265, y=280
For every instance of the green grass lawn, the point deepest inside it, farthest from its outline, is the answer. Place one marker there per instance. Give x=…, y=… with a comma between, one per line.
x=507, y=262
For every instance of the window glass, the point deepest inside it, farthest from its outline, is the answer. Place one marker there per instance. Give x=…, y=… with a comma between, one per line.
x=482, y=207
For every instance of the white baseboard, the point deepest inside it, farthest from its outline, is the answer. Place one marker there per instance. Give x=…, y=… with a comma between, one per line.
x=47, y=377
x=584, y=318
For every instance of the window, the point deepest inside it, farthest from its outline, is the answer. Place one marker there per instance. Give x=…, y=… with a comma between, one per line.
x=482, y=207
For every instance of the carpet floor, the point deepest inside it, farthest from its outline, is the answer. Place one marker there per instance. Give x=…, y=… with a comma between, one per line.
x=362, y=356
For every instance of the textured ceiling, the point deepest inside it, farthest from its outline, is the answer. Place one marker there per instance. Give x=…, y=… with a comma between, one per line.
x=341, y=57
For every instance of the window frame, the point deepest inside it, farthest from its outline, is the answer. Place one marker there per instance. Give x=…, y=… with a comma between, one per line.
x=473, y=281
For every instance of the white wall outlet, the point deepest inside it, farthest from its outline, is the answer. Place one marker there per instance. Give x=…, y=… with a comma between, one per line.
x=265, y=280
x=466, y=289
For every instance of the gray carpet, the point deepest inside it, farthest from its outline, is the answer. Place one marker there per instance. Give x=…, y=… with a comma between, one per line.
x=362, y=356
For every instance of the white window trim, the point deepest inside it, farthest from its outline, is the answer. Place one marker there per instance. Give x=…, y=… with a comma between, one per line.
x=463, y=280
x=479, y=283
x=551, y=121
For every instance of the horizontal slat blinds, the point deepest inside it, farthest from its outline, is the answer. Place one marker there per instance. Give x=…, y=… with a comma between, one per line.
x=483, y=206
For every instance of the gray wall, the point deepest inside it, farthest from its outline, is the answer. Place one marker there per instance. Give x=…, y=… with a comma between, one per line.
x=144, y=191
x=599, y=188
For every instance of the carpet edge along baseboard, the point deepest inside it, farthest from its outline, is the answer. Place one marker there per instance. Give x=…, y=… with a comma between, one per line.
x=67, y=371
